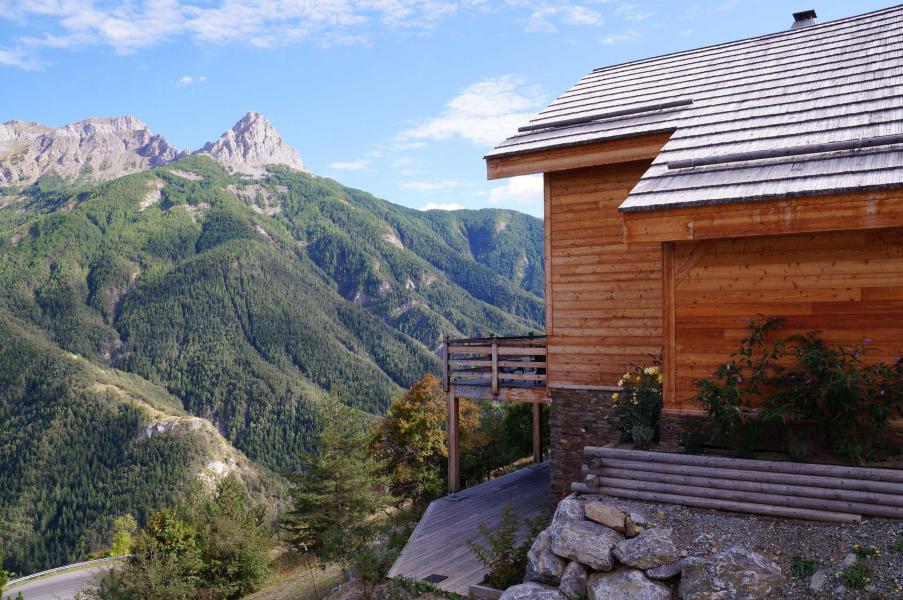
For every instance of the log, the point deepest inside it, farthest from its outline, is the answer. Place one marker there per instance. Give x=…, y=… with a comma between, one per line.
x=754, y=486
x=763, y=476
x=889, y=475
x=746, y=507
x=839, y=506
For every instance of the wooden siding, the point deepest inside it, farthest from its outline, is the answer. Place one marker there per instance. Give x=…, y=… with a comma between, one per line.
x=604, y=308
x=848, y=285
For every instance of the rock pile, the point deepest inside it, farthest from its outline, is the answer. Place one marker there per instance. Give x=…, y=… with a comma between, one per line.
x=594, y=551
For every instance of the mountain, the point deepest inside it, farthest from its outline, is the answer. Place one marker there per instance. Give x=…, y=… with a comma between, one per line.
x=93, y=149
x=251, y=145
x=237, y=301
x=102, y=149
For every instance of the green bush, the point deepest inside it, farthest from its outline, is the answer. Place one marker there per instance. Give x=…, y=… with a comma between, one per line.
x=776, y=385
x=856, y=577
x=505, y=556
x=638, y=406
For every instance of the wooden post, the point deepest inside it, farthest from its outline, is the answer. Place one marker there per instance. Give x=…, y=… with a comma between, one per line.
x=495, y=369
x=445, y=373
x=537, y=432
x=454, y=464
x=669, y=337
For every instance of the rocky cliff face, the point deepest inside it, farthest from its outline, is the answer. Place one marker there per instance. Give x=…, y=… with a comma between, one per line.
x=92, y=150
x=105, y=148
x=250, y=145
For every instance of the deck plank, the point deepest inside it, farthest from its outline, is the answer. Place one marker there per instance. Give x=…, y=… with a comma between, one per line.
x=438, y=544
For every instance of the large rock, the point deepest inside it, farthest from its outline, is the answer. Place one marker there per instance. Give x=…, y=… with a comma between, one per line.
x=625, y=584
x=652, y=548
x=543, y=565
x=531, y=591
x=588, y=543
x=569, y=510
x=573, y=581
x=672, y=569
x=732, y=574
x=603, y=514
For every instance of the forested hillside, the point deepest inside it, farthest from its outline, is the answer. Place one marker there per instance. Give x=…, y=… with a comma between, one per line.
x=241, y=301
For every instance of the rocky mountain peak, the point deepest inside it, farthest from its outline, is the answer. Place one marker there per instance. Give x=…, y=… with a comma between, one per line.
x=251, y=144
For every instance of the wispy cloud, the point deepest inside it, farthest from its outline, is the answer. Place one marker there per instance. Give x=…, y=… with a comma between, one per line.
x=442, y=206
x=546, y=19
x=361, y=164
x=627, y=37
x=432, y=186
x=15, y=58
x=519, y=191
x=188, y=80
x=483, y=113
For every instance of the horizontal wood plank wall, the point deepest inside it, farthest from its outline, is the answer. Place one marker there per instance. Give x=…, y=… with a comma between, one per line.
x=606, y=296
x=847, y=285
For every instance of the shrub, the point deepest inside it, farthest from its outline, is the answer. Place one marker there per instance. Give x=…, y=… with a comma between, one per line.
x=638, y=406
x=802, y=567
x=856, y=577
x=503, y=554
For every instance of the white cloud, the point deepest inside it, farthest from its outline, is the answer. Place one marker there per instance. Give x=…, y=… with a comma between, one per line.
x=362, y=164
x=522, y=191
x=546, y=18
x=442, y=206
x=188, y=80
x=484, y=113
x=14, y=58
x=634, y=12
x=431, y=186
x=628, y=37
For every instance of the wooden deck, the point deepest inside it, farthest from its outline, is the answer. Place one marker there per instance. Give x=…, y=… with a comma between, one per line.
x=438, y=547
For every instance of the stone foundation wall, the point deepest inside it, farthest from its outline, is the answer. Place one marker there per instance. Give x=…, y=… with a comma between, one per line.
x=579, y=418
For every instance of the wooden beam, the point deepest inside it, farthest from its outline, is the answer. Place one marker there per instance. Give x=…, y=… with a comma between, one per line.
x=518, y=395
x=445, y=362
x=575, y=157
x=537, y=433
x=495, y=369
x=454, y=450
x=547, y=257
x=808, y=214
x=669, y=336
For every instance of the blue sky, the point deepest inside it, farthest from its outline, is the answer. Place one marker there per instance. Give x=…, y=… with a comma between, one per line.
x=398, y=97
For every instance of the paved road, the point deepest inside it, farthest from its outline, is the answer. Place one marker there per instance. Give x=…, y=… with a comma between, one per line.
x=60, y=586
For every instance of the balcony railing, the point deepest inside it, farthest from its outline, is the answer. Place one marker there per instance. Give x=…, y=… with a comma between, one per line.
x=496, y=362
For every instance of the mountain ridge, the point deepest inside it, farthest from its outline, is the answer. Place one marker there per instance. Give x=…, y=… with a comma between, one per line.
x=104, y=148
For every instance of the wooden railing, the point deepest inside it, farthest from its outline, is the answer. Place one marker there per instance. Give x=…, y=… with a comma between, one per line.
x=495, y=362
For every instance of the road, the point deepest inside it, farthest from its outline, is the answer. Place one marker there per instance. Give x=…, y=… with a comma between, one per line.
x=58, y=586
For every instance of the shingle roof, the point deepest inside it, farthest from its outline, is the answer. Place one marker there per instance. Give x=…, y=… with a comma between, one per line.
x=836, y=82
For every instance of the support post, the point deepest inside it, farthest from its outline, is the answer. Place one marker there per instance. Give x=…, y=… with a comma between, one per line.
x=495, y=369
x=454, y=458
x=537, y=432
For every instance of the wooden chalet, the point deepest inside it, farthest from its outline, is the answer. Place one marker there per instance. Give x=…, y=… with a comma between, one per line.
x=688, y=193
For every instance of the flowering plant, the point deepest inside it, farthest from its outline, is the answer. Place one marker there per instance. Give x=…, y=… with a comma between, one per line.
x=638, y=406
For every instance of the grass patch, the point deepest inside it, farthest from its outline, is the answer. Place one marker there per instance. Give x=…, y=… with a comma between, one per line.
x=865, y=551
x=802, y=567
x=856, y=577
x=297, y=577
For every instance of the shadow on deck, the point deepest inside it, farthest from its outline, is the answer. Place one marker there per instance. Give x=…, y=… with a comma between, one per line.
x=437, y=547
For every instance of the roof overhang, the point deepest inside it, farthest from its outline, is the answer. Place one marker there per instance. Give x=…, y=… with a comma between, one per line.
x=608, y=152
x=805, y=214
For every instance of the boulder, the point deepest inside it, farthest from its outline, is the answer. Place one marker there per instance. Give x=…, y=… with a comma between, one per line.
x=543, y=566
x=604, y=514
x=569, y=510
x=671, y=569
x=588, y=543
x=732, y=573
x=817, y=581
x=848, y=561
x=638, y=519
x=531, y=591
x=625, y=584
x=652, y=548
x=573, y=581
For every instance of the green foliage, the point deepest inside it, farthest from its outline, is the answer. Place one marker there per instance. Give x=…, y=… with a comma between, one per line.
x=864, y=551
x=211, y=546
x=856, y=577
x=897, y=546
x=638, y=406
x=337, y=502
x=505, y=556
x=801, y=378
x=502, y=434
x=123, y=529
x=802, y=567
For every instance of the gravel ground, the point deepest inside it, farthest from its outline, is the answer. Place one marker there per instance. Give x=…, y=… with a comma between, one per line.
x=702, y=532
